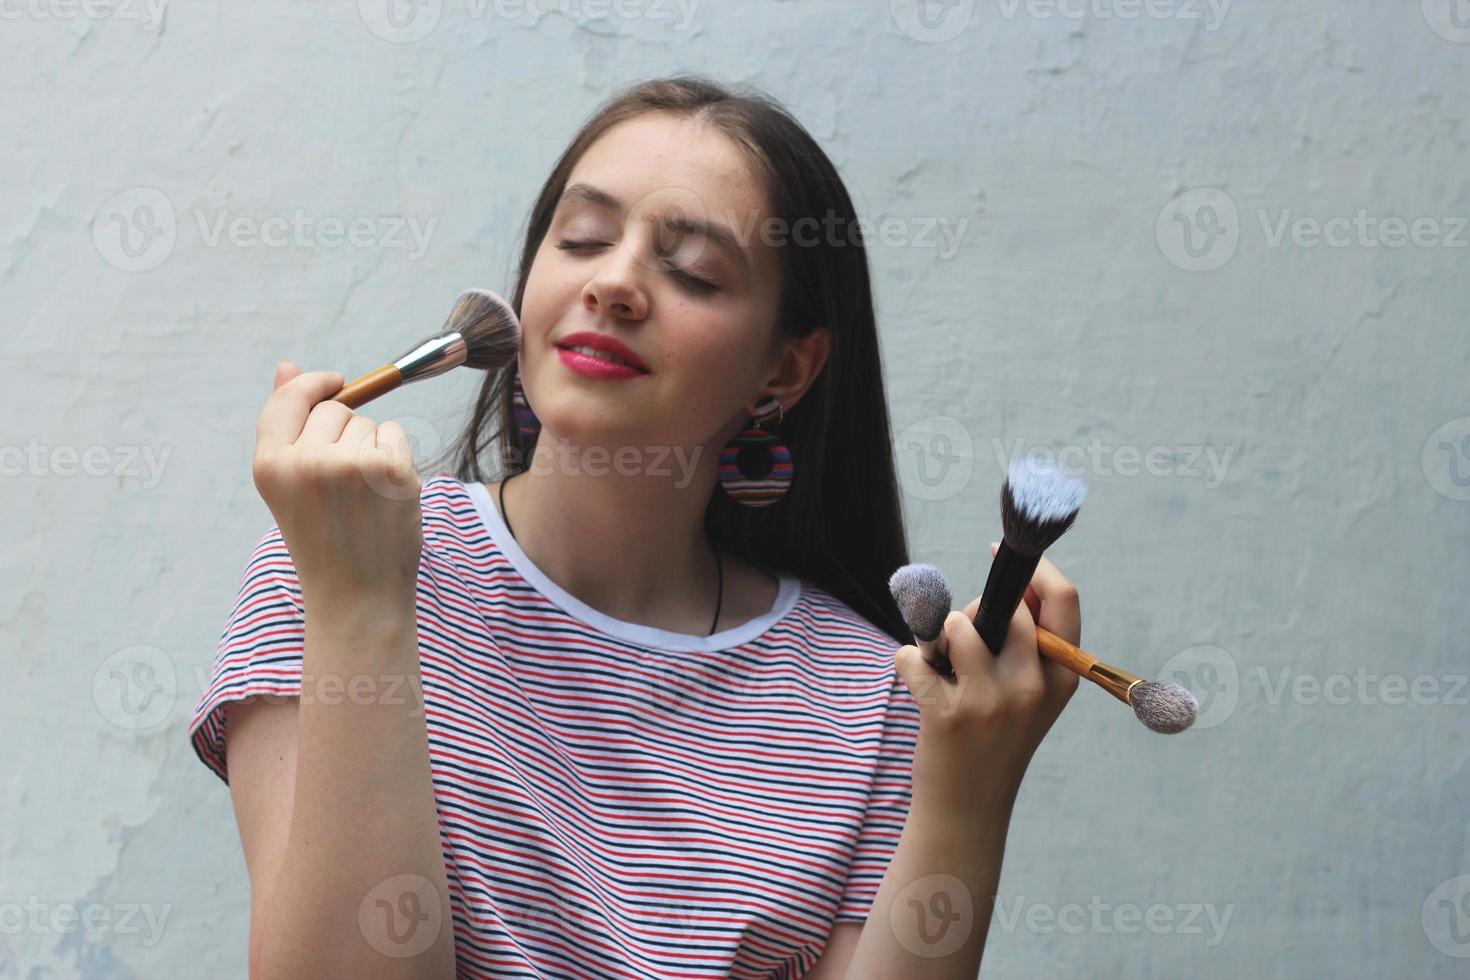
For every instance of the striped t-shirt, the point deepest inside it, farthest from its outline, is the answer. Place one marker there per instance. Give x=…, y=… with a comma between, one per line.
x=616, y=800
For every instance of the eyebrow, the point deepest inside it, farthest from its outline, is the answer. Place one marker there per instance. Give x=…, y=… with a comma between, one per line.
x=714, y=231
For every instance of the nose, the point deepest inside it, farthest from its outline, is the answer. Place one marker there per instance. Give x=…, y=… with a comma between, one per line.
x=616, y=288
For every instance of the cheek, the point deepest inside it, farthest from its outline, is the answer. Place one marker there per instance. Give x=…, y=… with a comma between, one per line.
x=714, y=372
x=539, y=306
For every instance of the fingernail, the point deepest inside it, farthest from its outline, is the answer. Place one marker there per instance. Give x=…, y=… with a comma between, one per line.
x=994, y=545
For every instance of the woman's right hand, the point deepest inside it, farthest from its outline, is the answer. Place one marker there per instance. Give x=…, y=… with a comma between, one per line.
x=342, y=489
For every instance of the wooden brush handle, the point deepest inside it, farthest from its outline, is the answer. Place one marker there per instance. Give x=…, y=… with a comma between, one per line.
x=1116, y=682
x=369, y=386
x=1053, y=647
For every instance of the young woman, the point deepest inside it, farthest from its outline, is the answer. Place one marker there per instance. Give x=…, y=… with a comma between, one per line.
x=630, y=710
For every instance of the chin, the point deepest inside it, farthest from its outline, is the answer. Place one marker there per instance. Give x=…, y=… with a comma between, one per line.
x=580, y=422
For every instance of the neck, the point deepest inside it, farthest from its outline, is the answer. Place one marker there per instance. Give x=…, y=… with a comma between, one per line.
x=631, y=544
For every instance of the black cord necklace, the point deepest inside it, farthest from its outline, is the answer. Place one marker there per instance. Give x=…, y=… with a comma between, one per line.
x=719, y=562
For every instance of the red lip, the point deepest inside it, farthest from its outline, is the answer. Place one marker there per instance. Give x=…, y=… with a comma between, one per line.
x=603, y=342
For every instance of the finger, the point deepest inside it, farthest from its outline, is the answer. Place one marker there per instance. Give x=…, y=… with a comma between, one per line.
x=904, y=664
x=968, y=654
x=917, y=674
x=395, y=442
x=326, y=423
x=1019, y=660
x=285, y=414
x=1053, y=602
x=973, y=610
x=285, y=371
x=358, y=434
x=388, y=440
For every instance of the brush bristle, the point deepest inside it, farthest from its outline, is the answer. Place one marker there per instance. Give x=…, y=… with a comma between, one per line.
x=923, y=598
x=1164, y=706
x=490, y=329
x=1038, y=502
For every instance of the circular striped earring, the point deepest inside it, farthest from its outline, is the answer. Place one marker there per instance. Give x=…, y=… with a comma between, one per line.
x=755, y=467
x=526, y=419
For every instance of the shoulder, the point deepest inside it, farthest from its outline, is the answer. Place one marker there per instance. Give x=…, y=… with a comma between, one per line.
x=446, y=499
x=832, y=618
x=840, y=642
x=451, y=514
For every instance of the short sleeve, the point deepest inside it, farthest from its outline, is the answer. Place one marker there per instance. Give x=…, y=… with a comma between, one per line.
x=888, y=804
x=259, y=650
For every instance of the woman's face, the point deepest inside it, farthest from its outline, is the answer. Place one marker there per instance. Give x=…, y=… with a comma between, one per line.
x=627, y=274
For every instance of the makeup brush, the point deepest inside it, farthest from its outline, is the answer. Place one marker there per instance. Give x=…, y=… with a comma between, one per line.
x=481, y=332
x=923, y=597
x=1038, y=502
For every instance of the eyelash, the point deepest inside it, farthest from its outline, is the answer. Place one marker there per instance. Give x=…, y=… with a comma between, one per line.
x=693, y=282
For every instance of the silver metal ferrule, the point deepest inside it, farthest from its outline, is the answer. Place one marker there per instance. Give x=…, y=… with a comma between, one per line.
x=432, y=357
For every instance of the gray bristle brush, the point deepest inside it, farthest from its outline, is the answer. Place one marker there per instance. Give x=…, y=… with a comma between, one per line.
x=923, y=598
x=482, y=332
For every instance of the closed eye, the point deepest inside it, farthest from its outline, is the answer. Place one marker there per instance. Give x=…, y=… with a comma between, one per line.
x=693, y=282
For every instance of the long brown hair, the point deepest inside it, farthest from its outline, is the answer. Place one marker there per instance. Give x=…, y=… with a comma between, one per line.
x=840, y=524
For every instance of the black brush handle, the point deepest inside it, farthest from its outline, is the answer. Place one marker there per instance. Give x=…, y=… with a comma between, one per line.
x=1010, y=573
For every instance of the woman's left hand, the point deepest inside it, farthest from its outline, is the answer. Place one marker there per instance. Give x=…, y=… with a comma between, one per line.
x=979, y=729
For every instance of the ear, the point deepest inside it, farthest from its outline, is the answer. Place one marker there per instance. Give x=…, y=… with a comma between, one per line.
x=798, y=365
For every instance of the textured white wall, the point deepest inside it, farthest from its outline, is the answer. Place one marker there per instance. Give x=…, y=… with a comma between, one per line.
x=1274, y=428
